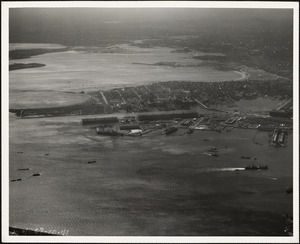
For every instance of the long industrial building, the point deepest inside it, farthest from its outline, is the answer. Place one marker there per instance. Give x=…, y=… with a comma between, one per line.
x=100, y=120
x=149, y=117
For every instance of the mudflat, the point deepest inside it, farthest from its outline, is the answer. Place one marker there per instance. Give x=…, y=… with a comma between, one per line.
x=86, y=69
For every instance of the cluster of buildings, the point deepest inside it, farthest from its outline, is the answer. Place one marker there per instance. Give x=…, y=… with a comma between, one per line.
x=170, y=96
x=144, y=123
x=278, y=138
x=176, y=95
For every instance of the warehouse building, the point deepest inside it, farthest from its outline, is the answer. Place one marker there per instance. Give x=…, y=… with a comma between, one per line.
x=105, y=120
x=149, y=117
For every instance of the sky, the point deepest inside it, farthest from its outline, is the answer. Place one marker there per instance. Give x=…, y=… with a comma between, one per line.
x=62, y=25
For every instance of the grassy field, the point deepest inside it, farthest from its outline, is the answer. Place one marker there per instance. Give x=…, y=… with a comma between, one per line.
x=44, y=99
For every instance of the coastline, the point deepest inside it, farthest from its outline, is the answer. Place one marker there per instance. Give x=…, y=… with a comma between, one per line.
x=244, y=75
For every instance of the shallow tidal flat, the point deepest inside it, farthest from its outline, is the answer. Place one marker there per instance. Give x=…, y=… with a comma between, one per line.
x=149, y=185
x=260, y=104
x=86, y=69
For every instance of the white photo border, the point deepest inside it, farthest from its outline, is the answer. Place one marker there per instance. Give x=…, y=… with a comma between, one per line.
x=139, y=4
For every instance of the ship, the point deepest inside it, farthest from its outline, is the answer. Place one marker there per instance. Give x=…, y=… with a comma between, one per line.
x=170, y=130
x=256, y=167
x=108, y=131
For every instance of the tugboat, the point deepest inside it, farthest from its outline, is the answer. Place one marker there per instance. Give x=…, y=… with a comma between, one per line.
x=91, y=162
x=256, y=167
x=170, y=130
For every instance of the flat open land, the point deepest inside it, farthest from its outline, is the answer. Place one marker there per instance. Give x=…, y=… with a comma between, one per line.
x=86, y=69
x=148, y=185
x=260, y=104
x=45, y=99
x=28, y=46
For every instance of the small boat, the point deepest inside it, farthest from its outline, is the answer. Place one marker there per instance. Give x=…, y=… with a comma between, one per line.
x=213, y=154
x=37, y=174
x=213, y=149
x=256, y=167
x=91, y=162
x=19, y=179
x=245, y=157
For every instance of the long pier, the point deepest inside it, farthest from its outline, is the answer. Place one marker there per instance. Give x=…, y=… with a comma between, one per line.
x=104, y=98
x=201, y=104
x=286, y=105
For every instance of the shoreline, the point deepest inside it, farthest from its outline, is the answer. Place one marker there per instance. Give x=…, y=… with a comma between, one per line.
x=244, y=74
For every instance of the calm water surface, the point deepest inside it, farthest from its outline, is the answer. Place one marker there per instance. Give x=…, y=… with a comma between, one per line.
x=149, y=185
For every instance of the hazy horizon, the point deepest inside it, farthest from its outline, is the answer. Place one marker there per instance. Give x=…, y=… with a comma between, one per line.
x=92, y=25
